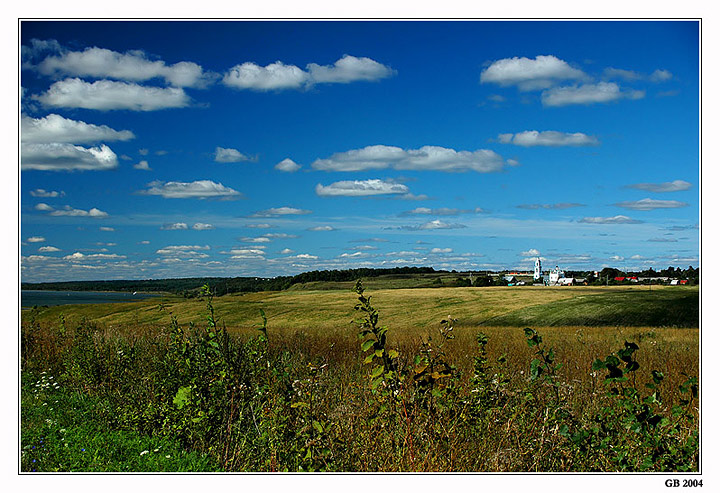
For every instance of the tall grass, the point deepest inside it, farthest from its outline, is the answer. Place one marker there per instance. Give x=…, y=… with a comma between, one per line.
x=441, y=398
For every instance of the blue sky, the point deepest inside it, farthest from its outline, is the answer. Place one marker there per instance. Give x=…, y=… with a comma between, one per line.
x=174, y=149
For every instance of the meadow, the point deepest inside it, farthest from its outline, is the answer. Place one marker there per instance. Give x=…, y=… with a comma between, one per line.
x=377, y=377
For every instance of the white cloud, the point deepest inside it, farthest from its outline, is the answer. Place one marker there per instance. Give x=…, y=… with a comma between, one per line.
x=48, y=249
x=560, y=205
x=278, y=76
x=650, y=204
x=66, y=157
x=43, y=207
x=550, y=138
x=360, y=188
x=602, y=92
x=143, y=165
x=69, y=211
x=349, y=69
x=182, y=248
x=259, y=239
x=434, y=224
x=530, y=253
x=275, y=76
x=609, y=220
x=617, y=258
x=530, y=74
x=287, y=165
x=223, y=155
x=669, y=186
x=174, y=226
x=111, y=95
x=426, y=158
x=201, y=189
x=306, y=256
x=618, y=73
x=279, y=235
x=36, y=239
x=184, y=251
x=77, y=256
x=144, y=242
x=39, y=192
x=661, y=75
x=202, y=226
x=132, y=65
x=258, y=226
x=106, y=228
x=321, y=228
x=281, y=211
x=286, y=251
x=441, y=250
x=55, y=128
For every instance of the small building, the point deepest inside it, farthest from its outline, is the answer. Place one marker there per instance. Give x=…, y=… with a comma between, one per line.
x=555, y=275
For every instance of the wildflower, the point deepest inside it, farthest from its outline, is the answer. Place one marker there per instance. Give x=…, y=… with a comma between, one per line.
x=156, y=450
x=144, y=452
x=82, y=450
x=167, y=456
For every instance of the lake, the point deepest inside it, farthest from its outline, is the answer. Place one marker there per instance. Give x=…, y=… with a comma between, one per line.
x=30, y=298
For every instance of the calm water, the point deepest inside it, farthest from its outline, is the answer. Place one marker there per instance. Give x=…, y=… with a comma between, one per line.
x=51, y=298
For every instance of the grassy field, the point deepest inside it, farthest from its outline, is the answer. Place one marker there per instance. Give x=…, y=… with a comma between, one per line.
x=410, y=309
x=141, y=378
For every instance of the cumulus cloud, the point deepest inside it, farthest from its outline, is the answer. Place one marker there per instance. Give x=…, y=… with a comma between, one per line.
x=561, y=205
x=66, y=157
x=275, y=76
x=39, y=192
x=306, y=256
x=281, y=211
x=618, y=73
x=143, y=165
x=441, y=250
x=668, y=186
x=602, y=92
x=609, y=220
x=43, y=207
x=258, y=226
x=132, y=65
x=650, y=204
x=550, y=138
x=36, y=239
x=286, y=251
x=287, y=165
x=106, y=228
x=202, y=226
x=349, y=69
x=430, y=158
x=202, y=189
x=321, y=228
x=223, y=155
x=441, y=211
x=661, y=75
x=48, y=249
x=360, y=188
x=69, y=211
x=279, y=76
x=530, y=253
x=55, y=128
x=174, y=226
x=530, y=74
x=183, y=251
x=112, y=95
x=434, y=224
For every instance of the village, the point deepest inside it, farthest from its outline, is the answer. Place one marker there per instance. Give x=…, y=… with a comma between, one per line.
x=559, y=277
